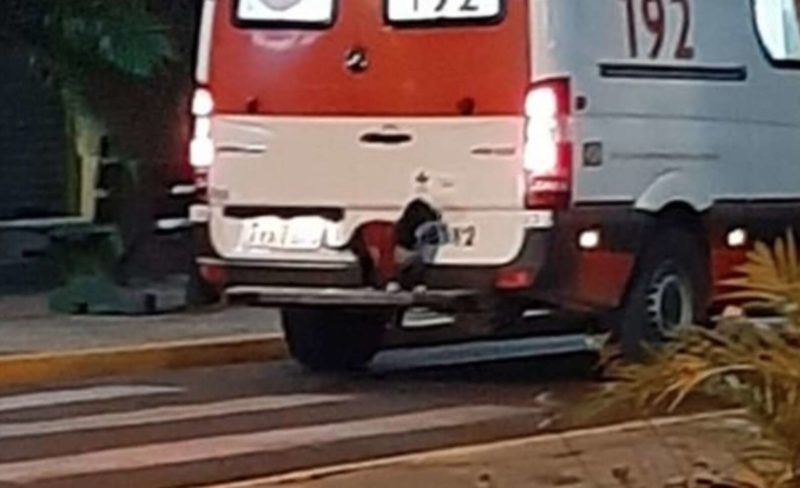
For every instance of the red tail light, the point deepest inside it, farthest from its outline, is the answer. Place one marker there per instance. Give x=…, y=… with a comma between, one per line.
x=214, y=275
x=201, y=149
x=514, y=279
x=201, y=185
x=548, y=150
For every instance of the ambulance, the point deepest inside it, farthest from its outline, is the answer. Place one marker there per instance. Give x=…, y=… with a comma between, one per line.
x=396, y=172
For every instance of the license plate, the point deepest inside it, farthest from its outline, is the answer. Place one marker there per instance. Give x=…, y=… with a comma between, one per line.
x=438, y=10
x=298, y=234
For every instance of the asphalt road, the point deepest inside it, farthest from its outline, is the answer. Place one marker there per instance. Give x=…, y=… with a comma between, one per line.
x=206, y=426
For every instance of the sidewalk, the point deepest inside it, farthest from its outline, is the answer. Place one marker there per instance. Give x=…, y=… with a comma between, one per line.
x=664, y=453
x=26, y=326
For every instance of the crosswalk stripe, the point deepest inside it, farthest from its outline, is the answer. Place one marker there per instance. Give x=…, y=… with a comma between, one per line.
x=173, y=413
x=79, y=395
x=218, y=447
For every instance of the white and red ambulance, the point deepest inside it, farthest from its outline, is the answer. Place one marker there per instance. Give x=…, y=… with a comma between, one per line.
x=395, y=171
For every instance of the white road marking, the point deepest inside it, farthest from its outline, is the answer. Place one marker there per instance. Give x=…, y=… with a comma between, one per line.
x=209, y=448
x=81, y=395
x=160, y=415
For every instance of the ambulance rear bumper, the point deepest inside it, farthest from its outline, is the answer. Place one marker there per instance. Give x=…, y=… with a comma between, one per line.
x=351, y=297
x=563, y=276
x=348, y=276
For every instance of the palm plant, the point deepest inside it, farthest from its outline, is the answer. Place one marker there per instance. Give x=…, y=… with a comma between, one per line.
x=743, y=361
x=122, y=69
x=72, y=41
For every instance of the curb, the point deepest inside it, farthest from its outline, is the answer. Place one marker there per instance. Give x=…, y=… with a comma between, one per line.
x=445, y=454
x=28, y=369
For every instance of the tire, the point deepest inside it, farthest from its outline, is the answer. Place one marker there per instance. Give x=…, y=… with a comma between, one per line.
x=670, y=289
x=332, y=339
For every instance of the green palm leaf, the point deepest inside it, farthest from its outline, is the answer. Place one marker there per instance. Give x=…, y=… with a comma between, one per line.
x=122, y=34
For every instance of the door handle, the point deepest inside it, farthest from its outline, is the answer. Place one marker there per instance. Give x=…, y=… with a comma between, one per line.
x=242, y=148
x=386, y=138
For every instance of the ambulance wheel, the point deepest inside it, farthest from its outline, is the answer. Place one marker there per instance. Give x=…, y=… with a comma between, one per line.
x=332, y=339
x=670, y=289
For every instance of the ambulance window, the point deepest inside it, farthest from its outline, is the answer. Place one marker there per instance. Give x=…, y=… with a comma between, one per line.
x=285, y=13
x=777, y=25
x=443, y=12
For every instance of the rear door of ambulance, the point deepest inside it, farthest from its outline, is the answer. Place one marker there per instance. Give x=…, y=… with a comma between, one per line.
x=364, y=106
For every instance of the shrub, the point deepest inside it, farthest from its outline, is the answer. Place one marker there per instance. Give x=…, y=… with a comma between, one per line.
x=743, y=361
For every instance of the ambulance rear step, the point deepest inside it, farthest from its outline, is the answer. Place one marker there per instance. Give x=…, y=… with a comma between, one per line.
x=356, y=297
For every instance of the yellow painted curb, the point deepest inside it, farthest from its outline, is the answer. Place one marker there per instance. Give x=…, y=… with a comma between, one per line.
x=26, y=369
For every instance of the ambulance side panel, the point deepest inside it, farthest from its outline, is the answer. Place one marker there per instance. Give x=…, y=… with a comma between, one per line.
x=712, y=124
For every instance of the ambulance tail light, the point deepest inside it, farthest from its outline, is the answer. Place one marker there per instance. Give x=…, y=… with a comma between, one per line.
x=201, y=151
x=201, y=148
x=548, y=150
